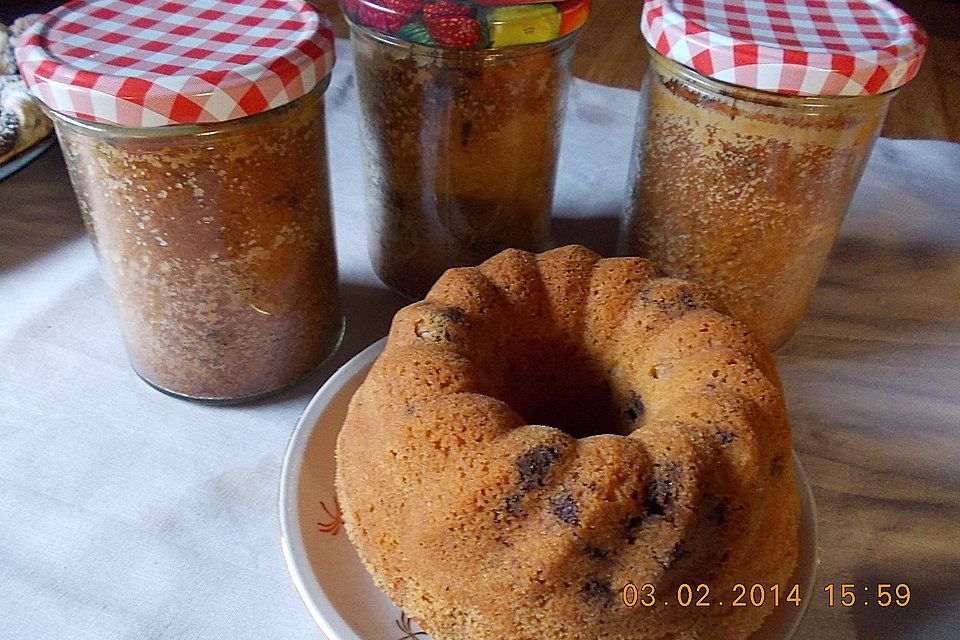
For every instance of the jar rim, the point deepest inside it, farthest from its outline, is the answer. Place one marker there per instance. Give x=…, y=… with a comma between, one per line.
x=416, y=48
x=470, y=25
x=174, y=130
x=760, y=96
x=838, y=48
x=157, y=64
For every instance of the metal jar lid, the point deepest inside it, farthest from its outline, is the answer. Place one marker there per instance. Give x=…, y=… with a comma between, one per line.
x=153, y=63
x=469, y=24
x=795, y=47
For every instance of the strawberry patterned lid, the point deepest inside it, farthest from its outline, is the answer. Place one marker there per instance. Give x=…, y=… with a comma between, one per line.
x=469, y=24
x=151, y=63
x=797, y=47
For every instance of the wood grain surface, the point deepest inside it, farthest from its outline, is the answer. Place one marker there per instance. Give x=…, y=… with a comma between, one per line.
x=611, y=52
x=872, y=382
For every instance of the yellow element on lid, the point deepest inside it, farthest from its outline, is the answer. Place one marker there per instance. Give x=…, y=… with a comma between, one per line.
x=530, y=24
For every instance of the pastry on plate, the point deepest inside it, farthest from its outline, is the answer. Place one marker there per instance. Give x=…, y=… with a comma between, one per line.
x=543, y=430
x=22, y=122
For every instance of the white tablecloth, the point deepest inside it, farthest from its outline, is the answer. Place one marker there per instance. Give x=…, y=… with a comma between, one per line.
x=125, y=513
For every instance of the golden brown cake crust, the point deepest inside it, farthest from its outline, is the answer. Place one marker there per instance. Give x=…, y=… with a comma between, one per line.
x=666, y=460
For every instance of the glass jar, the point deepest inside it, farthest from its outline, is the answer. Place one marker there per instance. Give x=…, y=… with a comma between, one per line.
x=216, y=244
x=460, y=145
x=744, y=190
x=201, y=175
x=751, y=138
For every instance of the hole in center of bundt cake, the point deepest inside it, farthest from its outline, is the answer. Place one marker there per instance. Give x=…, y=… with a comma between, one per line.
x=558, y=385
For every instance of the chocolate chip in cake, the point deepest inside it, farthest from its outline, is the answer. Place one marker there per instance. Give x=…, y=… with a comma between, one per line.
x=454, y=315
x=677, y=553
x=662, y=493
x=633, y=528
x=660, y=496
x=676, y=301
x=635, y=408
x=597, y=553
x=564, y=506
x=597, y=593
x=718, y=513
x=777, y=466
x=535, y=465
x=725, y=437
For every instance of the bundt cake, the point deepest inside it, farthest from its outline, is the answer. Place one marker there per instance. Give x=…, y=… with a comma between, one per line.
x=543, y=429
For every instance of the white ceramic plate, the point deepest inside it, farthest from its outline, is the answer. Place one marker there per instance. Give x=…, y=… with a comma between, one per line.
x=335, y=586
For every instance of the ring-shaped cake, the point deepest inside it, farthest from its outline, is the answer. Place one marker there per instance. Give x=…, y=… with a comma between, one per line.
x=543, y=429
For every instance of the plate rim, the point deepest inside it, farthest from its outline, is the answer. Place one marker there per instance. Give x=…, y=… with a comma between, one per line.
x=324, y=614
x=331, y=623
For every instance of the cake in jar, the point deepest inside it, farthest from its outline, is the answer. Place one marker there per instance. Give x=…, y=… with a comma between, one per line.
x=203, y=183
x=751, y=141
x=220, y=261
x=461, y=114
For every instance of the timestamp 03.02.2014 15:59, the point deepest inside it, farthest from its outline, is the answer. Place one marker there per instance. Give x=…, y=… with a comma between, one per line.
x=843, y=594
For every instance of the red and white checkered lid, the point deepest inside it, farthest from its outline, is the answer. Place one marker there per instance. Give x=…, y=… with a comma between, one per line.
x=150, y=63
x=805, y=47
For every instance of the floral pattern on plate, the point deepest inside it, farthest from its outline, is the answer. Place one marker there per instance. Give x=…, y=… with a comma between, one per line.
x=335, y=586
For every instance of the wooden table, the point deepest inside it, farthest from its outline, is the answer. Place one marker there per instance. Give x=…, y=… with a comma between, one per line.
x=872, y=378
x=611, y=52
x=872, y=382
